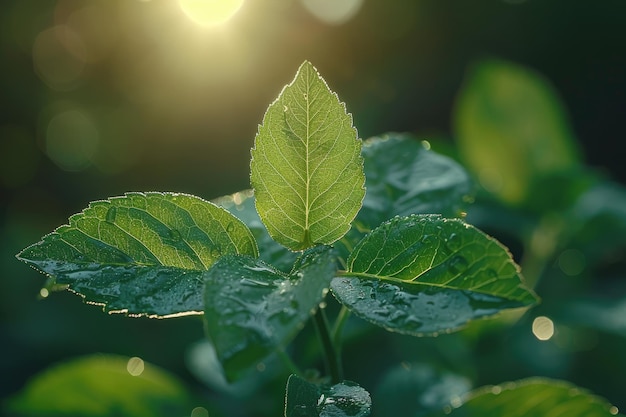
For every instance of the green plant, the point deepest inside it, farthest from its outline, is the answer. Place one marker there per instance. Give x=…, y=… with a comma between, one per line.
x=380, y=223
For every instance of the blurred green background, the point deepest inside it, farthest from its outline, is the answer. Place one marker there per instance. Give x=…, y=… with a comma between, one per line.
x=100, y=97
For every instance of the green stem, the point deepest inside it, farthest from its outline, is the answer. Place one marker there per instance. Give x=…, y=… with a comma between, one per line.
x=289, y=364
x=342, y=317
x=333, y=361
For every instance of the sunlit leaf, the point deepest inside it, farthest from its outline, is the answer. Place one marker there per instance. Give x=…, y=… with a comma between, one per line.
x=101, y=386
x=306, y=168
x=252, y=309
x=345, y=399
x=511, y=128
x=537, y=397
x=241, y=204
x=425, y=274
x=143, y=253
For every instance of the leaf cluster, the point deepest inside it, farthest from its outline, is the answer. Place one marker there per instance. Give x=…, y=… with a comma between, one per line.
x=378, y=224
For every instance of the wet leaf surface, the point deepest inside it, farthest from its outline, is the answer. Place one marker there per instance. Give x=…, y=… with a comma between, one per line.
x=425, y=274
x=345, y=399
x=252, y=308
x=142, y=253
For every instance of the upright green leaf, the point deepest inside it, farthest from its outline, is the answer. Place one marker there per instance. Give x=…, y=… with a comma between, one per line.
x=511, y=128
x=252, y=309
x=306, y=168
x=346, y=399
x=101, y=386
x=143, y=253
x=425, y=274
x=537, y=397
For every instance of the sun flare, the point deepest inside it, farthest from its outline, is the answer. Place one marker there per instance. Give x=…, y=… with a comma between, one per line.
x=210, y=12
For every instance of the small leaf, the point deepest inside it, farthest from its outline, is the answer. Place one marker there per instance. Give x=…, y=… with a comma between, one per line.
x=416, y=389
x=101, y=386
x=424, y=274
x=511, y=128
x=537, y=397
x=241, y=204
x=345, y=399
x=252, y=309
x=142, y=253
x=306, y=168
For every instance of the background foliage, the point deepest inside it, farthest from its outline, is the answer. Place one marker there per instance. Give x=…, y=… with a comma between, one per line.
x=104, y=97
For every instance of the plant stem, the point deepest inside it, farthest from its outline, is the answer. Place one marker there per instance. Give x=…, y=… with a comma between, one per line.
x=286, y=359
x=342, y=317
x=333, y=362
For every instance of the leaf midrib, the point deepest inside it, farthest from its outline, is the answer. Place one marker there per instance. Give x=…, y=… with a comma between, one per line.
x=365, y=275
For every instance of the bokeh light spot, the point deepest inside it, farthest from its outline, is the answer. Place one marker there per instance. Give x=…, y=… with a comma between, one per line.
x=543, y=328
x=210, y=12
x=71, y=140
x=333, y=12
x=199, y=412
x=135, y=366
x=59, y=57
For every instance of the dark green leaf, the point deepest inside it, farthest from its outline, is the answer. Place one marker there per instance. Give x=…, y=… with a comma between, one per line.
x=345, y=399
x=510, y=128
x=404, y=177
x=537, y=397
x=142, y=253
x=241, y=204
x=416, y=389
x=101, y=386
x=253, y=309
x=424, y=274
x=306, y=168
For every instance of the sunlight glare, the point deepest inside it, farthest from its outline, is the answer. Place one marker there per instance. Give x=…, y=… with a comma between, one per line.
x=210, y=12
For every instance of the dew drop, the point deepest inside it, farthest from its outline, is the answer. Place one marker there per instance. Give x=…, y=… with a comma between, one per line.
x=429, y=240
x=111, y=213
x=230, y=227
x=453, y=242
x=457, y=265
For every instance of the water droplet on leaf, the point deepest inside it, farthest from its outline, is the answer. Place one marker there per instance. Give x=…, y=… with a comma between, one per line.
x=458, y=264
x=453, y=242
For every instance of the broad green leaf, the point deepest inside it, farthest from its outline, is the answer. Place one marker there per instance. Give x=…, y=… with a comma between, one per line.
x=241, y=204
x=252, y=309
x=404, y=177
x=102, y=386
x=306, y=168
x=142, y=253
x=425, y=274
x=511, y=129
x=346, y=399
x=416, y=389
x=537, y=397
